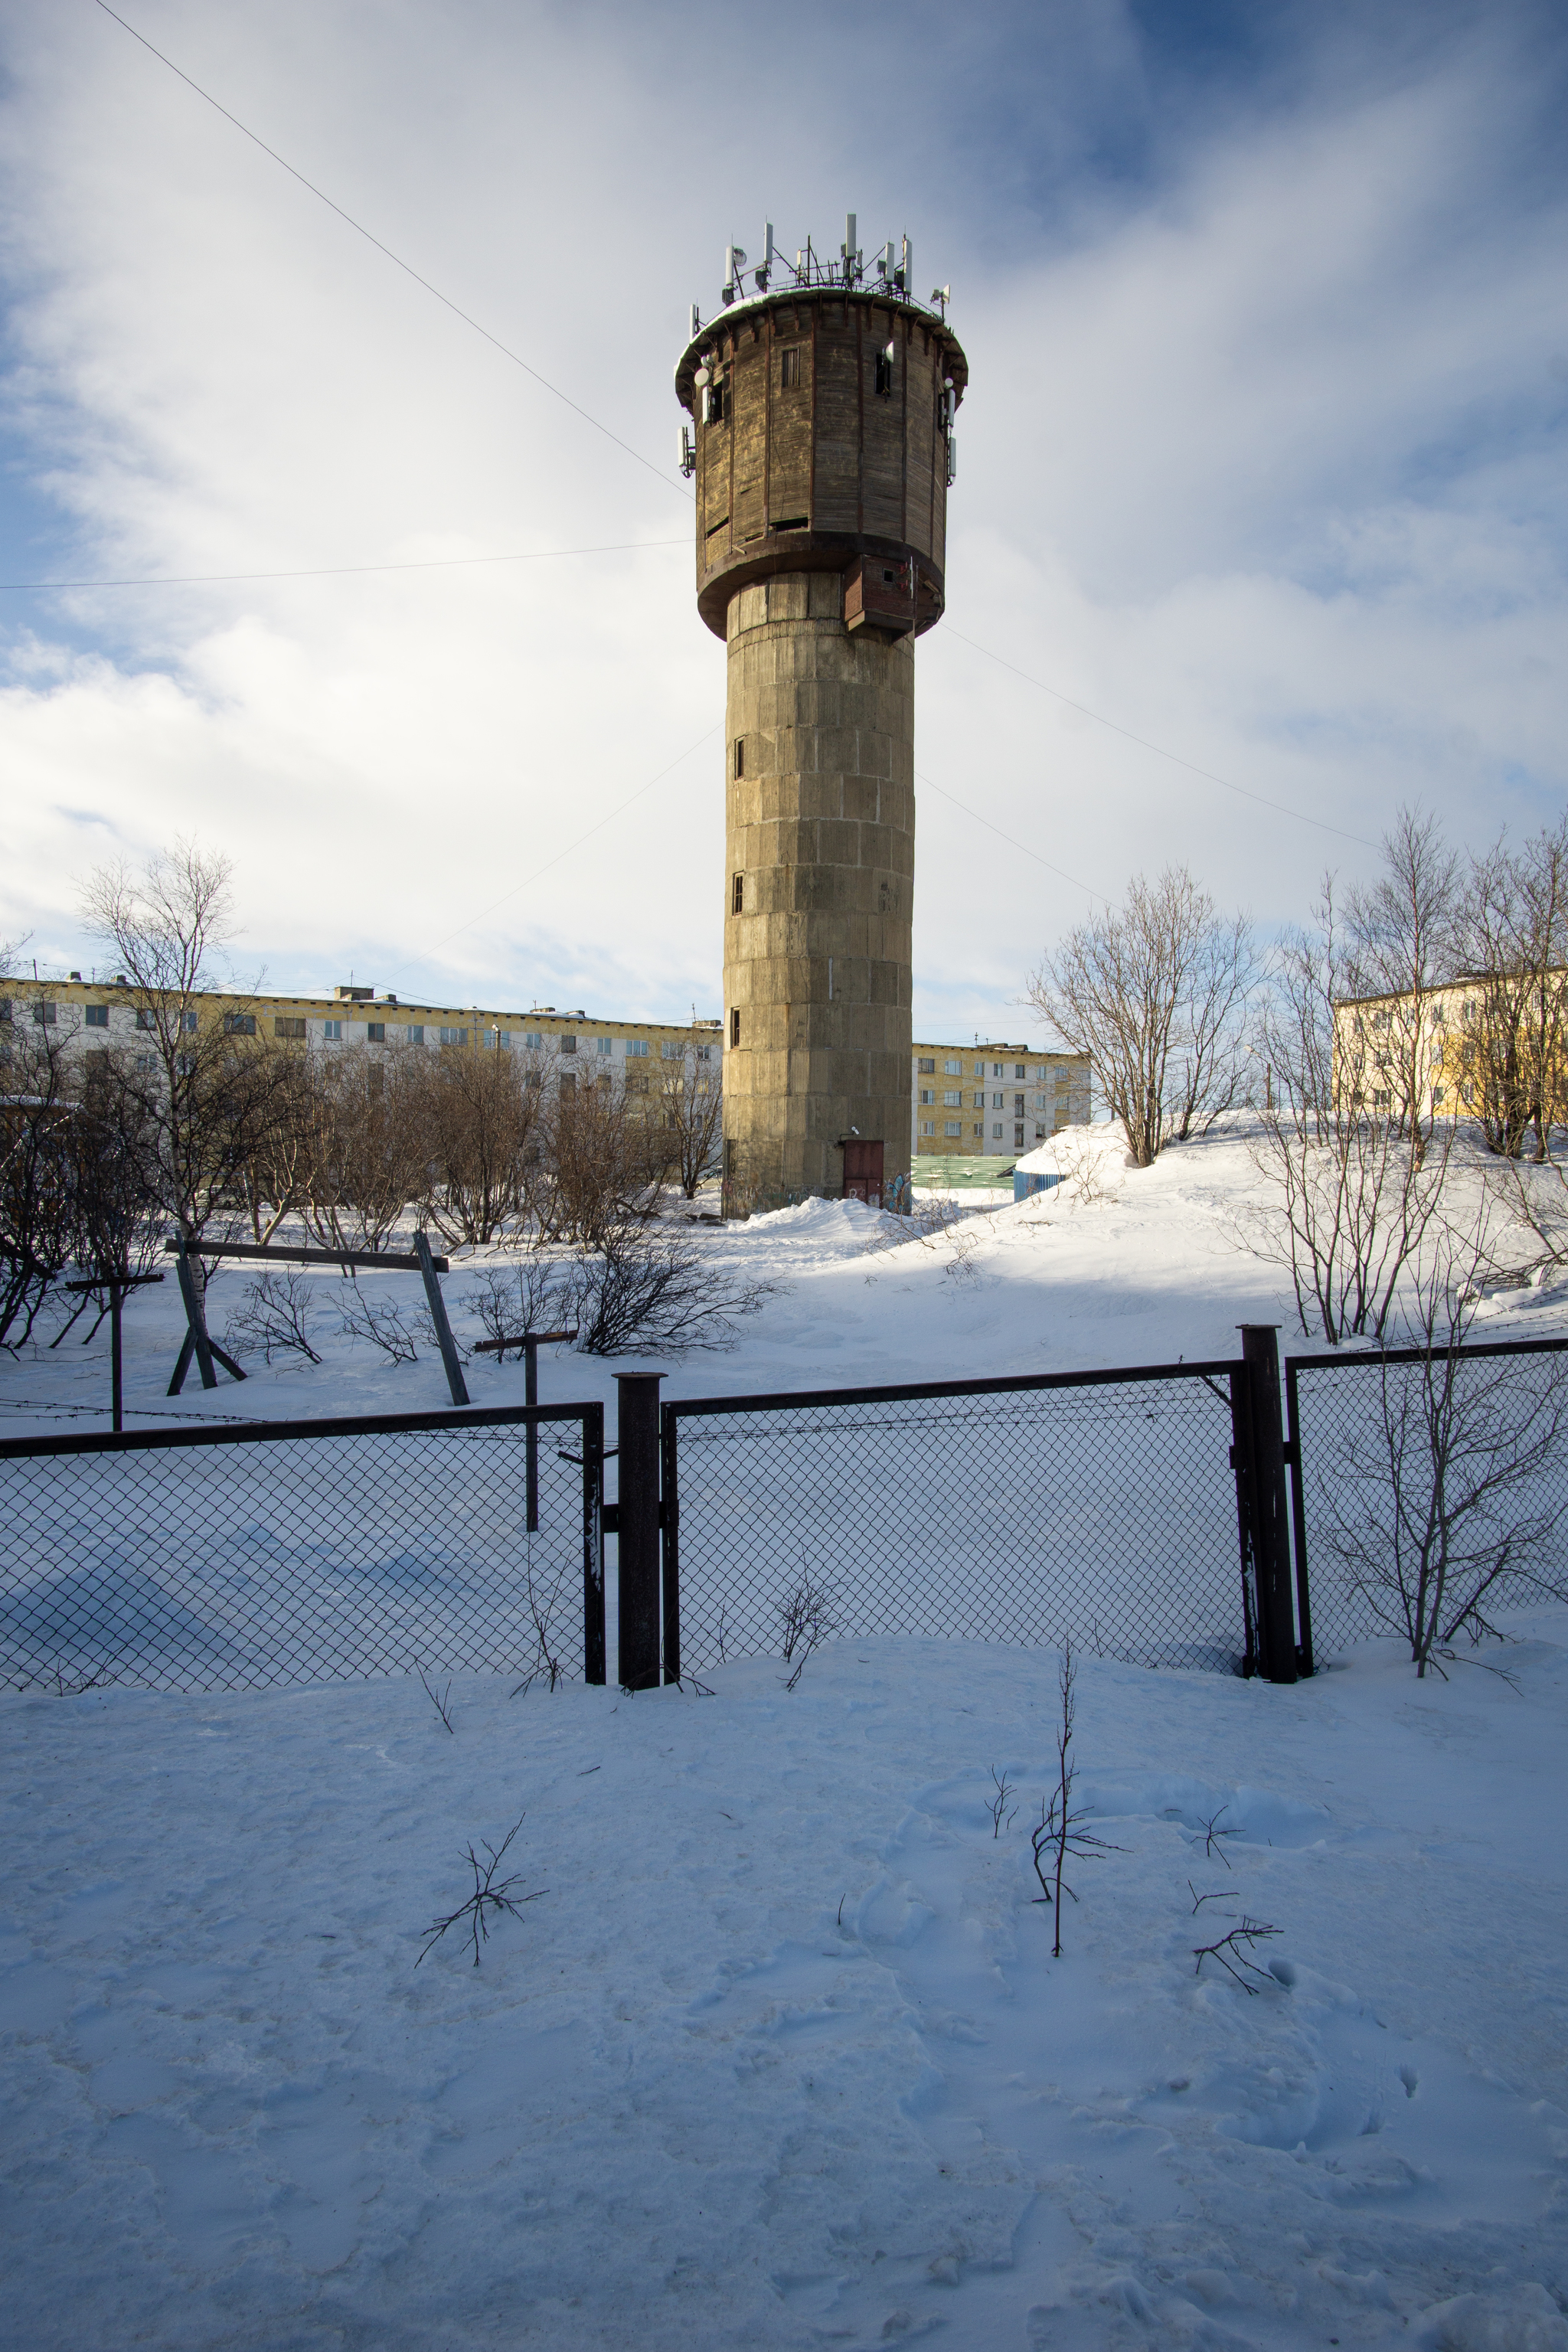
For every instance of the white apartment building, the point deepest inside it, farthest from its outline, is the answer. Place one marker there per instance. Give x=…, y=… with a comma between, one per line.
x=987, y=1098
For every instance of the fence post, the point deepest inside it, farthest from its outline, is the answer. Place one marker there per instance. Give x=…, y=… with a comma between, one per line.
x=593, y=1541
x=670, y=1547
x=1299, y=1520
x=436, y=1304
x=637, y=1522
x=1269, y=1508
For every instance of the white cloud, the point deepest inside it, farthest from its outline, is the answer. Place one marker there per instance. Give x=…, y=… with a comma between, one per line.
x=1263, y=460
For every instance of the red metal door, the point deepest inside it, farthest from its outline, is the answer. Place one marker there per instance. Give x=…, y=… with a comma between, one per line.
x=863, y=1173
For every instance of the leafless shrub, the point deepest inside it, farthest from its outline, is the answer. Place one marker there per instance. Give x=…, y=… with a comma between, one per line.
x=691, y=1109
x=1001, y=1798
x=1199, y=1900
x=379, y=1321
x=1060, y=1831
x=538, y=1294
x=544, y=1594
x=1442, y=1504
x=1212, y=1832
x=645, y=1294
x=1227, y=1951
x=807, y=1619
x=439, y=1702
x=276, y=1317
x=1156, y=992
x=474, y=1915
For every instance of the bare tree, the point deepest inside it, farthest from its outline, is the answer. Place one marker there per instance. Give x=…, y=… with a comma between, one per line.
x=691, y=1109
x=37, y=1159
x=1509, y=1056
x=604, y=1161
x=1155, y=992
x=1403, y=937
x=367, y=1155
x=203, y=1088
x=483, y=1126
x=1351, y=1201
x=276, y=1317
x=1441, y=1508
x=538, y=1295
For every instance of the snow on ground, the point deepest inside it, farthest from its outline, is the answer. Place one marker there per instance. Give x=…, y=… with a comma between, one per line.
x=779, y=2056
x=1116, y=1265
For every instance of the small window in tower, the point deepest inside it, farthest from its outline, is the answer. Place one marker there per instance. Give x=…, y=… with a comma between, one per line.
x=740, y=755
x=738, y=895
x=789, y=368
x=884, y=371
x=734, y=1025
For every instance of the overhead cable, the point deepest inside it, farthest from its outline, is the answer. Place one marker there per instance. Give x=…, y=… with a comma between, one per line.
x=339, y=571
x=407, y=267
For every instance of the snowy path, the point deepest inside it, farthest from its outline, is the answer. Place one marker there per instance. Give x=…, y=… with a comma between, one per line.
x=781, y=2057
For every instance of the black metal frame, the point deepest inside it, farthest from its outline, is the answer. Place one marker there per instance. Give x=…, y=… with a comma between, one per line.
x=589, y=1418
x=1235, y=1374
x=1337, y=1359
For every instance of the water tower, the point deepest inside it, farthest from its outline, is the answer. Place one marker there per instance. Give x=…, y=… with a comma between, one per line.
x=822, y=398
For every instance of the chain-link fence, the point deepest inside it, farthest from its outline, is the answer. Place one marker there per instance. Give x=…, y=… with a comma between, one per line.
x=1099, y=1506
x=1385, y=1446
x=242, y=1559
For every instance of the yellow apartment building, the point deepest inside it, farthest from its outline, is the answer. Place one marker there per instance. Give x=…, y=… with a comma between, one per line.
x=996, y=1097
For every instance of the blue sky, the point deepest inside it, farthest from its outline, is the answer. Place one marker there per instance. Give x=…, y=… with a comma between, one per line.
x=1267, y=312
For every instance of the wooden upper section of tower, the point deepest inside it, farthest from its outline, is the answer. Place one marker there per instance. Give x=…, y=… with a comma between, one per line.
x=822, y=441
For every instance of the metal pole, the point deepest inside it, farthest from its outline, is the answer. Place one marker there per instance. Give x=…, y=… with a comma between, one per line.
x=637, y=1529
x=1298, y=1518
x=670, y=1524
x=1270, y=1504
x=116, y=1299
x=593, y=1544
x=531, y=1397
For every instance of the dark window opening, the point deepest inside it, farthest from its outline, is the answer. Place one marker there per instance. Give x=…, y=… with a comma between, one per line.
x=376, y=1032
x=738, y=895
x=885, y=375
x=789, y=368
x=715, y=408
x=735, y=1025
x=287, y=1025
x=96, y=1016
x=794, y=522
x=740, y=755
x=240, y=1024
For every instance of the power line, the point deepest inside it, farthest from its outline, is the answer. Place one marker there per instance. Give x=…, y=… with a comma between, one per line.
x=479, y=914
x=407, y=267
x=339, y=571
x=1059, y=871
x=1100, y=720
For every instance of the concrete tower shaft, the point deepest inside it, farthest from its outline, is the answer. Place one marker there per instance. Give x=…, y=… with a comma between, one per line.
x=823, y=450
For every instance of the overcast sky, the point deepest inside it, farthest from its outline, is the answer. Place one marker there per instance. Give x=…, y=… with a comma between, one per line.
x=1267, y=317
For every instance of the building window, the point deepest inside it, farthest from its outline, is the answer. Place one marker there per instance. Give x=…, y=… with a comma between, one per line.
x=979, y=1069
x=146, y=1063
x=953, y=1127
x=1017, y=1139
x=740, y=755
x=333, y=1030
x=737, y=895
x=603, y=1045
x=287, y=1025
x=998, y=1102
x=885, y=372
x=979, y=1131
x=1018, y=1106
x=671, y=1049
x=953, y=1069
x=96, y=1016
x=533, y=1041
x=928, y=1127
x=704, y=1053
x=637, y=1048
x=568, y=1082
x=734, y=1025
x=636, y=1082
x=43, y=1015
x=953, y=1099
x=927, y=1096
x=1039, y=1102
x=926, y=1065
x=240, y=1024
x=789, y=368
x=454, y=1036
x=996, y=1131
x=376, y=1032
